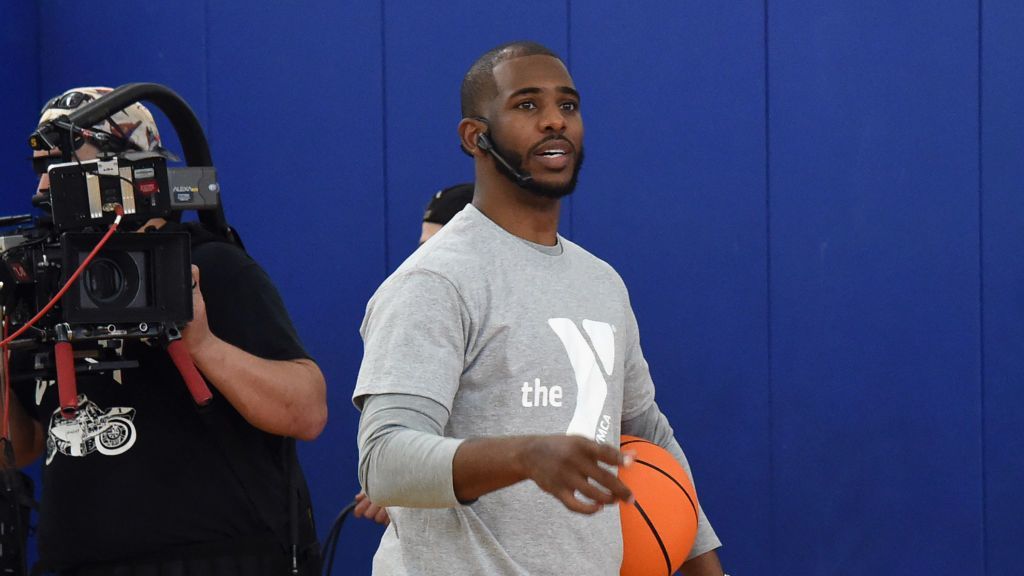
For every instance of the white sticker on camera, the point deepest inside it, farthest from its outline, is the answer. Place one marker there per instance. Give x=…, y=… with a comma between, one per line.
x=107, y=167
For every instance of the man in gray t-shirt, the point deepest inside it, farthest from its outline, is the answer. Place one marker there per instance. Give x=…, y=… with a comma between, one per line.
x=502, y=362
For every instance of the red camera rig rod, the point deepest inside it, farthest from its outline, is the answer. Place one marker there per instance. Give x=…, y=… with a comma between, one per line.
x=67, y=385
x=189, y=373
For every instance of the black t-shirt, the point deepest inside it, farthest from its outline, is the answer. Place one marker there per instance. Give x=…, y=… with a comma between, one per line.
x=142, y=472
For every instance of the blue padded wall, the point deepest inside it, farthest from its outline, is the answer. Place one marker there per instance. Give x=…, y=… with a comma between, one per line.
x=873, y=160
x=20, y=101
x=125, y=42
x=817, y=207
x=296, y=128
x=673, y=196
x=1002, y=185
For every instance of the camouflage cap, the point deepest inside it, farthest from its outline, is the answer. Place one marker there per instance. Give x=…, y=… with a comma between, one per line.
x=133, y=126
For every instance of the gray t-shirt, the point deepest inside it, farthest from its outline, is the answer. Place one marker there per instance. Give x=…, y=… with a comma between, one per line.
x=506, y=338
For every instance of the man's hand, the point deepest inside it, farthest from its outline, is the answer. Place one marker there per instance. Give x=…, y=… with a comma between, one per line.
x=565, y=465
x=560, y=465
x=284, y=397
x=366, y=509
x=197, y=333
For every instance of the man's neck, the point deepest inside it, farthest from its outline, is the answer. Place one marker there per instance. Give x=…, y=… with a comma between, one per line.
x=519, y=212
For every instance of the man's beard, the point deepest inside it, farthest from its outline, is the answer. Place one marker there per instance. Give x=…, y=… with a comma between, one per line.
x=543, y=190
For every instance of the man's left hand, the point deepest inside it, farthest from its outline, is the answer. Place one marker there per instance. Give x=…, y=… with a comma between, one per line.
x=366, y=509
x=197, y=332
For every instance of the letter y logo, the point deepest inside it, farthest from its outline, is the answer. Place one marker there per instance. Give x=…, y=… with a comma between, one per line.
x=591, y=363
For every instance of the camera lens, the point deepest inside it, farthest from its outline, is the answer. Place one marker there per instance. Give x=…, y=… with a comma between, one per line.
x=119, y=285
x=112, y=280
x=104, y=280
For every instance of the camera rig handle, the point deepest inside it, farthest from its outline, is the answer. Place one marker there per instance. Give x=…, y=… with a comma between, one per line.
x=67, y=384
x=189, y=373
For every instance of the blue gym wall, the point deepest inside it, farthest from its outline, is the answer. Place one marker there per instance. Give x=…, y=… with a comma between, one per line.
x=818, y=207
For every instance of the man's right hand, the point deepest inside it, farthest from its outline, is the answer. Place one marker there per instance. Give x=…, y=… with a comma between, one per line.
x=567, y=467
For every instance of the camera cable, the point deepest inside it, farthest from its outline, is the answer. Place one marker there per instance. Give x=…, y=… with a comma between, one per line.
x=5, y=432
x=67, y=285
x=331, y=541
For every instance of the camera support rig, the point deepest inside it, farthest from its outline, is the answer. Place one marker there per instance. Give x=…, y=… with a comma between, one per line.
x=67, y=383
x=84, y=196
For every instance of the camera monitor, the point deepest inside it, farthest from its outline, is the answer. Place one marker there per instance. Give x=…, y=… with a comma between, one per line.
x=81, y=193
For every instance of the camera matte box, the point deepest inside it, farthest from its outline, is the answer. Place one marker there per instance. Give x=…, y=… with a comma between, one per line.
x=135, y=278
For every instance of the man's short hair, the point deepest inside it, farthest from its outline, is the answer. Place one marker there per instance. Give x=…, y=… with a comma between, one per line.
x=478, y=84
x=132, y=127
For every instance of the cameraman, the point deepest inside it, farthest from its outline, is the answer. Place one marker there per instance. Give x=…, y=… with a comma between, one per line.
x=184, y=491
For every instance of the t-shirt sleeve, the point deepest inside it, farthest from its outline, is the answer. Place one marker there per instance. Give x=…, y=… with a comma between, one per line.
x=404, y=459
x=653, y=426
x=414, y=339
x=638, y=388
x=243, y=306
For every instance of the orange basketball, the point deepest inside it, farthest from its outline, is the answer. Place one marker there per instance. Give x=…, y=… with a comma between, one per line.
x=658, y=530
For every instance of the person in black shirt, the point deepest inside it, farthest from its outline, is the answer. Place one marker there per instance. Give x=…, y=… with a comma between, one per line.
x=443, y=206
x=142, y=481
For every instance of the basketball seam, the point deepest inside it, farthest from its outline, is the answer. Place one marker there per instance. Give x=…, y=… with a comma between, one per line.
x=676, y=482
x=657, y=537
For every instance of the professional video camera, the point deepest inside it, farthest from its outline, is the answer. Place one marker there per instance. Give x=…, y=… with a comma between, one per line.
x=137, y=279
x=132, y=285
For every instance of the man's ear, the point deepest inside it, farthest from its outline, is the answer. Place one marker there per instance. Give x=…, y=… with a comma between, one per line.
x=470, y=130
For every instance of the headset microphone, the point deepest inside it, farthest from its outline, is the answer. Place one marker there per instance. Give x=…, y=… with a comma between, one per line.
x=483, y=141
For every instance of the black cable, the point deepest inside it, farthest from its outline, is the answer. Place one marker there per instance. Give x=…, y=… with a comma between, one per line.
x=71, y=140
x=26, y=244
x=331, y=541
x=290, y=460
x=74, y=154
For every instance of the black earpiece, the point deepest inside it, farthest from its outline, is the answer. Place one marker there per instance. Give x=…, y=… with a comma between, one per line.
x=483, y=142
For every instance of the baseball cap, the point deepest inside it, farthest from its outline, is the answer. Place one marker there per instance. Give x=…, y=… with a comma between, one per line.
x=448, y=202
x=132, y=127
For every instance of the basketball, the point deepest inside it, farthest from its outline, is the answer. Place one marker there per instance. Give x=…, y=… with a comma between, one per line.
x=659, y=528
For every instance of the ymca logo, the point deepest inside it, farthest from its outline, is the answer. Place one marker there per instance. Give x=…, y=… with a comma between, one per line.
x=592, y=361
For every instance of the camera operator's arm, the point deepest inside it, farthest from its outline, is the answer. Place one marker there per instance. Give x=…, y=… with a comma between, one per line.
x=26, y=435
x=284, y=397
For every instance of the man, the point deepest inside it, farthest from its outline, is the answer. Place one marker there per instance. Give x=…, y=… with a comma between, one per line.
x=498, y=353
x=443, y=206
x=182, y=490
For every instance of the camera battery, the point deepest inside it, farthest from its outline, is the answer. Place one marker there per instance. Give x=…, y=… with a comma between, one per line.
x=193, y=188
